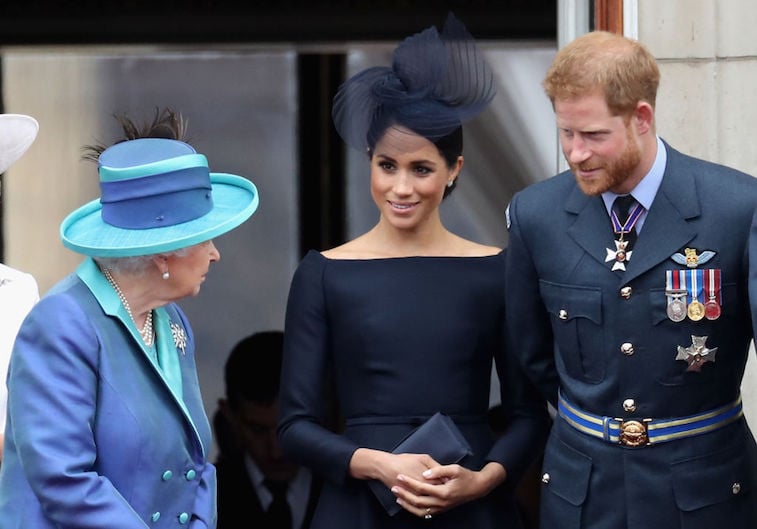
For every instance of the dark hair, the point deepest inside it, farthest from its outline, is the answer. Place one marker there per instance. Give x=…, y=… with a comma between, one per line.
x=449, y=146
x=253, y=369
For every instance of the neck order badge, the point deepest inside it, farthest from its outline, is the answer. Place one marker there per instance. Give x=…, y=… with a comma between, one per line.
x=625, y=230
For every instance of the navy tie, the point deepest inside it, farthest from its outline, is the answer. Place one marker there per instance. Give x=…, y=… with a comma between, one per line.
x=279, y=514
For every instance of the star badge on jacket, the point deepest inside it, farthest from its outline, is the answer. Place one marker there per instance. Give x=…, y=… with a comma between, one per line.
x=696, y=354
x=690, y=257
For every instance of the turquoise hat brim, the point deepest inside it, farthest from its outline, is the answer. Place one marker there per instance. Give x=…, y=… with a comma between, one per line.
x=235, y=199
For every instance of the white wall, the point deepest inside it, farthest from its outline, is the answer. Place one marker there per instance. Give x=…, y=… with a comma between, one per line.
x=706, y=106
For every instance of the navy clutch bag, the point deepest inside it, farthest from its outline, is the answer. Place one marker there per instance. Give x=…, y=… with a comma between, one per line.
x=438, y=437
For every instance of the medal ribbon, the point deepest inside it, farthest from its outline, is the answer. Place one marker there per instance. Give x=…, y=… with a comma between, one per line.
x=712, y=285
x=679, y=276
x=672, y=284
x=712, y=307
x=697, y=290
x=631, y=221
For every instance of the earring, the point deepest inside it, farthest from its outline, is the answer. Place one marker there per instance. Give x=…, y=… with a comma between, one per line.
x=449, y=184
x=166, y=275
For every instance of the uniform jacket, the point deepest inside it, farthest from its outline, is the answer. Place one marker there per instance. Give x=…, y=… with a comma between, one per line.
x=95, y=436
x=570, y=316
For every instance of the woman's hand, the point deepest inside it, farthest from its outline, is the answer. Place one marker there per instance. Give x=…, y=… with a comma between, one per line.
x=367, y=463
x=443, y=487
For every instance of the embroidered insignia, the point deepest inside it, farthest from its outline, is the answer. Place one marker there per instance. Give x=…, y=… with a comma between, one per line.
x=620, y=255
x=179, y=337
x=691, y=259
x=697, y=354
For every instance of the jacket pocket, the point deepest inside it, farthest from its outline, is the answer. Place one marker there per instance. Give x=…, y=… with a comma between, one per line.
x=576, y=315
x=565, y=485
x=717, y=488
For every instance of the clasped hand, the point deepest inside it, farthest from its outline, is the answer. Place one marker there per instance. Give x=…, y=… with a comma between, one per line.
x=436, y=488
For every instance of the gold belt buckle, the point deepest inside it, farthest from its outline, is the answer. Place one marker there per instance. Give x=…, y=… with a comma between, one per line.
x=634, y=433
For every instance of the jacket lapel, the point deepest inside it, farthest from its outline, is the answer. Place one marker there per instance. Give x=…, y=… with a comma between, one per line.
x=591, y=230
x=666, y=229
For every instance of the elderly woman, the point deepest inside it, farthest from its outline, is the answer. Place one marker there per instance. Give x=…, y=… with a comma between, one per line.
x=106, y=426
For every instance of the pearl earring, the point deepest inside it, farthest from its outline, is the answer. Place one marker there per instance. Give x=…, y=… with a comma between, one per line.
x=449, y=184
x=166, y=275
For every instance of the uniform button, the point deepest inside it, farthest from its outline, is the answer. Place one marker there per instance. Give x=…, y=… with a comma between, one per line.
x=627, y=348
x=183, y=518
x=629, y=405
x=626, y=292
x=545, y=478
x=736, y=488
x=190, y=475
x=167, y=475
x=155, y=516
x=563, y=314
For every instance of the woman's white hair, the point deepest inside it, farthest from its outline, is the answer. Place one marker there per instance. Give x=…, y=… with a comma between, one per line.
x=136, y=265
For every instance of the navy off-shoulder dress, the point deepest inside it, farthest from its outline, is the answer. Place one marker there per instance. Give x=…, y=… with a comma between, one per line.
x=400, y=339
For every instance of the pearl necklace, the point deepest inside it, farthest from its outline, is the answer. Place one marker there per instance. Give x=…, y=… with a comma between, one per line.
x=146, y=332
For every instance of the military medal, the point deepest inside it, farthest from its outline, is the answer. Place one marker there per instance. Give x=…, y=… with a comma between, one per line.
x=697, y=354
x=676, y=306
x=712, y=287
x=696, y=308
x=676, y=295
x=622, y=254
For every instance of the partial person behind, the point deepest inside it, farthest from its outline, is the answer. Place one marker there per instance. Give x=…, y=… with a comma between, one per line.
x=251, y=468
x=106, y=423
x=18, y=290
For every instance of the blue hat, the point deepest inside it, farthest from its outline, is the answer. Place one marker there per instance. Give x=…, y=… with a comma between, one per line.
x=157, y=195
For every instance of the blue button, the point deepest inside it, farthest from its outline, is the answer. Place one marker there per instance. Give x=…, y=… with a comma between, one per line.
x=183, y=518
x=190, y=474
x=155, y=516
x=167, y=475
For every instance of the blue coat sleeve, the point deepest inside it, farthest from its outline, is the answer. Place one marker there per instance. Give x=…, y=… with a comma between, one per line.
x=529, y=332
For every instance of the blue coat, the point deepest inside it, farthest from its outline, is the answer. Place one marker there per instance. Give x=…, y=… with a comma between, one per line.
x=95, y=437
x=570, y=316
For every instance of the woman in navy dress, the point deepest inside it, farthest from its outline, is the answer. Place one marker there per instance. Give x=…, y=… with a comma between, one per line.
x=407, y=318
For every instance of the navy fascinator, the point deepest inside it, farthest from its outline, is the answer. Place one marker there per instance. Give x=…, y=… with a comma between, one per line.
x=435, y=84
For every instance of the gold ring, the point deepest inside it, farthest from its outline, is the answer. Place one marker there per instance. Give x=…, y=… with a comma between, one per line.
x=428, y=516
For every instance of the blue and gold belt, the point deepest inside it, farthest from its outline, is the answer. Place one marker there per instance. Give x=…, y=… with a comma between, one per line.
x=643, y=432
